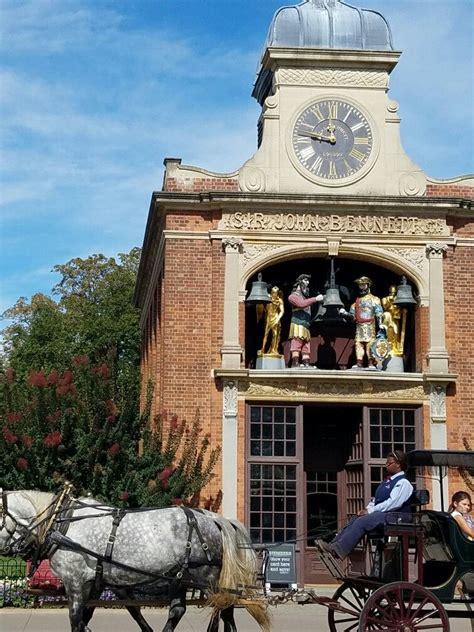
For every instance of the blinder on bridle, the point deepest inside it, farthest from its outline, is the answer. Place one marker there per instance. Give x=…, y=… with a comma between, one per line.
x=4, y=514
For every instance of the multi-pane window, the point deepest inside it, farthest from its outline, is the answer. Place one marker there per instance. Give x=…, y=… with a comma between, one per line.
x=389, y=429
x=273, y=473
x=272, y=431
x=272, y=503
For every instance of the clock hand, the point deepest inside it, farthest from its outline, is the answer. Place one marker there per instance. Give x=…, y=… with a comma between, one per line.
x=330, y=139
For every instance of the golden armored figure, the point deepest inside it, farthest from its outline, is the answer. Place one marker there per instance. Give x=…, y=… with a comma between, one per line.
x=273, y=315
x=394, y=319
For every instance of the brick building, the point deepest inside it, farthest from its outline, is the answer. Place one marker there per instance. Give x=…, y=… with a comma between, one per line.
x=330, y=181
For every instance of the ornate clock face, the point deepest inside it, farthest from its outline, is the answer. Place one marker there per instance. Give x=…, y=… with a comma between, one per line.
x=332, y=140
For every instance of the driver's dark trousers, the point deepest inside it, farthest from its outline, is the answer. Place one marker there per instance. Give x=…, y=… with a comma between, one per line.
x=354, y=531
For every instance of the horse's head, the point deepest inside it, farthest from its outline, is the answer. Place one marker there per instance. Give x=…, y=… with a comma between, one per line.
x=17, y=514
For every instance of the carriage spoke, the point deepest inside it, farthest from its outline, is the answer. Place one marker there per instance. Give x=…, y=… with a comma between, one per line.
x=403, y=606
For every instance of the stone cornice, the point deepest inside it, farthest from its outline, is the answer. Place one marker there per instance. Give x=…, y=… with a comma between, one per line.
x=294, y=57
x=217, y=199
x=317, y=385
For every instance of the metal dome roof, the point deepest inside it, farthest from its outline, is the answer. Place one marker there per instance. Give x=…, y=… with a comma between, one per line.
x=329, y=24
x=323, y=24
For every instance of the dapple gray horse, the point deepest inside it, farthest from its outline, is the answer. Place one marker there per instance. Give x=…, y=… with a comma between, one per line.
x=155, y=548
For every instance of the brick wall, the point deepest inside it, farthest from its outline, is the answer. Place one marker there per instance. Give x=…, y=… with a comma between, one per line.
x=450, y=190
x=200, y=184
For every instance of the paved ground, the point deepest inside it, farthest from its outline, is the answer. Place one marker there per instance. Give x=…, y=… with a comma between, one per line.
x=286, y=618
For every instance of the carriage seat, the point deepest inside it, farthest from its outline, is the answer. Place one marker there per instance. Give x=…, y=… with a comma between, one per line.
x=444, y=540
x=417, y=500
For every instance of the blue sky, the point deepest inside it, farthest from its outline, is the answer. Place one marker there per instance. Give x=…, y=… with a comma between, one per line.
x=94, y=94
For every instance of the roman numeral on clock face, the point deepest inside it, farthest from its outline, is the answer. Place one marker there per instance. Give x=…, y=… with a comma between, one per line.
x=358, y=155
x=332, y=140
x=307, y=152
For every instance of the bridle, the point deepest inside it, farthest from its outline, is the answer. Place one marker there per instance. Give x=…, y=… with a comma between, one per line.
x=37, y=531
x=4, y=514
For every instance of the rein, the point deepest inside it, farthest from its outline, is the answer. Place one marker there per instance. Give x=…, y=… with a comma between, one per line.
x=26, y=535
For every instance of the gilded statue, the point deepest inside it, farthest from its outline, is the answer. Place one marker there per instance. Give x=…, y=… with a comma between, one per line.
x=273, y=314
x=394, y=319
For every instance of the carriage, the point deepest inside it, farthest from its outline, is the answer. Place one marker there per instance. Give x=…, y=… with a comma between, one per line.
x=421, y=568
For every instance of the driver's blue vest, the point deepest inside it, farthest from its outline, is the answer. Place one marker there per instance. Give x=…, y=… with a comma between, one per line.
x=384, y=490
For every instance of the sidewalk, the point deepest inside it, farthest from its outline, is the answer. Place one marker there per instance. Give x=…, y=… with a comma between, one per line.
x=285, y=618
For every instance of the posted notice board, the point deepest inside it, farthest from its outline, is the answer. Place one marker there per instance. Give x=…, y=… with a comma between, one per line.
x=281, y=566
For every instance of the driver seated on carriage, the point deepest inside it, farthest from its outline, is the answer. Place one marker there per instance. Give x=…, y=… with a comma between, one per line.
x=393, y=494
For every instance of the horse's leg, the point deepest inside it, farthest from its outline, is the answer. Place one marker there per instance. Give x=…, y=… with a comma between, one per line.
x=214, y=622
x=89, y=610
x=227, y=616
x=77, y=602
x=177, y=607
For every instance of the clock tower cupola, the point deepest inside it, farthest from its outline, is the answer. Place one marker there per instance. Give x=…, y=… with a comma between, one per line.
x=327, y=124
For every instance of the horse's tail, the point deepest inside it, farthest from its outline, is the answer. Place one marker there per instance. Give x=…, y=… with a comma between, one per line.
x=238, y=576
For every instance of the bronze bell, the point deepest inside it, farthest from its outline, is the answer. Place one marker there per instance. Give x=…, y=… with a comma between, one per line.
x=259, y=292
x=329, y=308
x=404, y=295
x=332, y=298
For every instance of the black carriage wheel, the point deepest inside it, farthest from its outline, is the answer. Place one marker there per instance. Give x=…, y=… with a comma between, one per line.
x=352, y=598
x=403, y=607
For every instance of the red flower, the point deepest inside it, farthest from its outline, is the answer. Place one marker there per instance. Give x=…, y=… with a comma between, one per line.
x=22, y=463
x=53, y=377
x=8, y=435
x=13, y=418
x=10, y=375
x=26, y=440
x=53, y=417
x=80, y=360
x=177, y=501
x=111, y=407
x=124, y=495
x=52, y=439
x=114, y=449
x=110, y=419
x=166, y=473
x=103, y=371
x=165, y=483
x=67, y=377
x=37, y=378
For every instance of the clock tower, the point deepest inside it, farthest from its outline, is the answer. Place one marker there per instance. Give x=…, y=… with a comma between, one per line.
x=327, y=123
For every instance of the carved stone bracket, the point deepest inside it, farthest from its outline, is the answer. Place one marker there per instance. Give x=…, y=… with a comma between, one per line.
x=438, y=403
x=232, y=244
x=436, y=251
x=231, y=392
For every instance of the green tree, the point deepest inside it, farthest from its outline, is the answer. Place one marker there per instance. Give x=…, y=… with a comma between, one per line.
x=69, y=396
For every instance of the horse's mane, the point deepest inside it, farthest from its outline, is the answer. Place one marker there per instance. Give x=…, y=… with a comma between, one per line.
x=40, y=500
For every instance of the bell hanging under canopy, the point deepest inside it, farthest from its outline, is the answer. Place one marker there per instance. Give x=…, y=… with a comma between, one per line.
x=259, y=292
x=332, y=298
x=328, y=310
x=404, y=295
